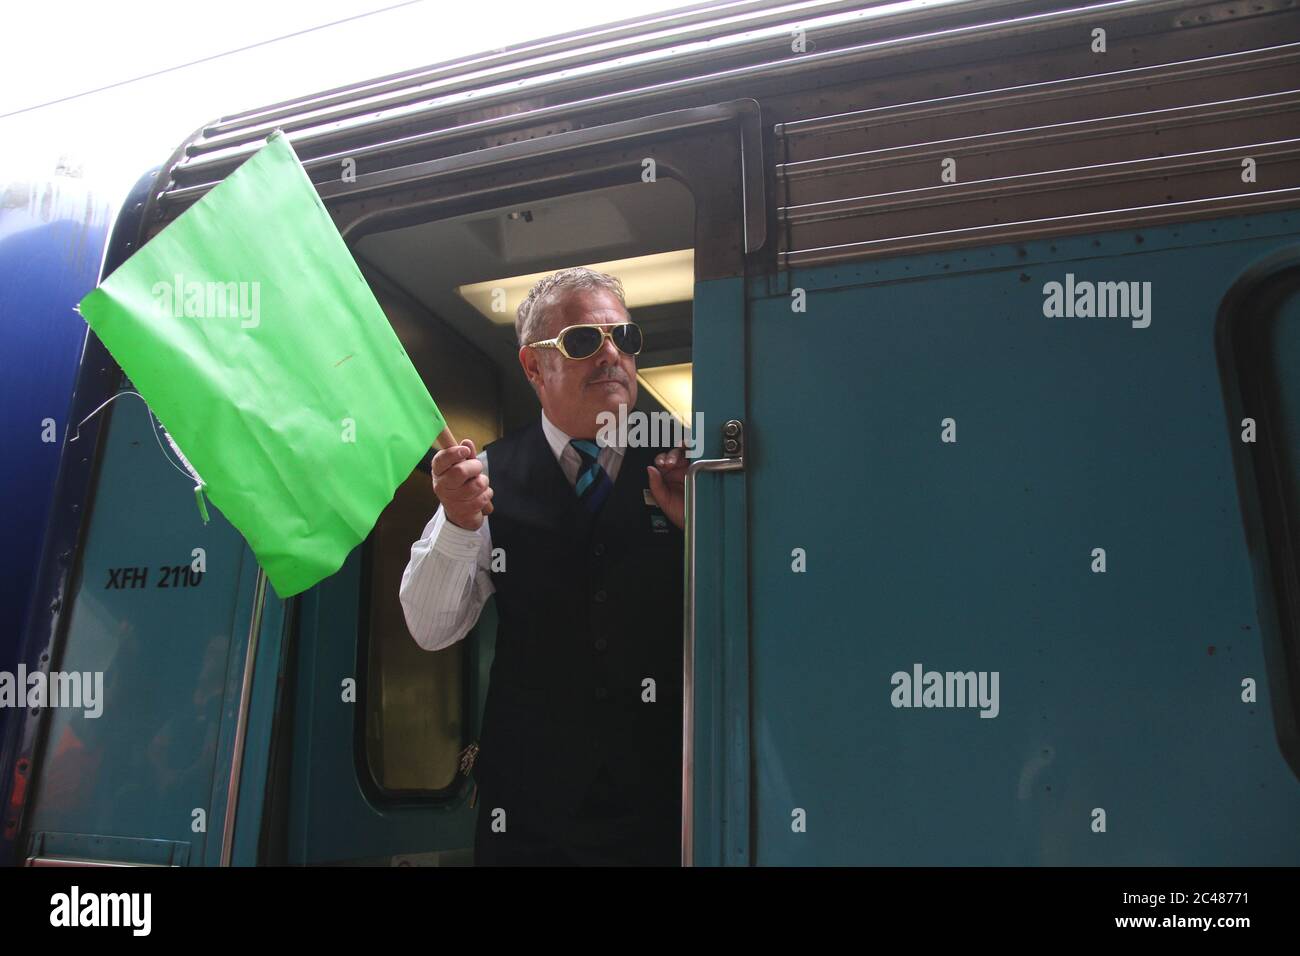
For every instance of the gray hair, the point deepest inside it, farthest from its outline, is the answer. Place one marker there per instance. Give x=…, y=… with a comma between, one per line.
x=550, y=291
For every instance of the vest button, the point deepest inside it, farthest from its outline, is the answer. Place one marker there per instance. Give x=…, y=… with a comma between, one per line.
x=601, y=643
x=601, y=693
x=599, y=596
x=598, y=549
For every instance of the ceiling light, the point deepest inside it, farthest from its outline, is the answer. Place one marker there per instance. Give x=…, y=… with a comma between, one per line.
x=647, y=280
x=671, y=387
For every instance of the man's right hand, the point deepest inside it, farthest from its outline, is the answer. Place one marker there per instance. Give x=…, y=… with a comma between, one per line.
x=461, y=486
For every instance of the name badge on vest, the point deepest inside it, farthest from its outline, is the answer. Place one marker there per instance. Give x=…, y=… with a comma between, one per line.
x=658, y=520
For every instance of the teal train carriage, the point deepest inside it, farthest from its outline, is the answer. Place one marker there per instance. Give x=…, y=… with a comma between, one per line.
x=990, y=312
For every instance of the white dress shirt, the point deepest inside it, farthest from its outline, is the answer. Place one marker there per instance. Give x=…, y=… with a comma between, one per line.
x=447, y=581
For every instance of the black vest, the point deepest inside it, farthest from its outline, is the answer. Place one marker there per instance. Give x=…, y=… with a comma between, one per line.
x=589, y=609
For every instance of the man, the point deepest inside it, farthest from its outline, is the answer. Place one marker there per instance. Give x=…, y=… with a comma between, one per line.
x=579, y=760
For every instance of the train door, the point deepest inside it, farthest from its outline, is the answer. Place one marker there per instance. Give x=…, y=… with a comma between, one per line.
x=370, y=769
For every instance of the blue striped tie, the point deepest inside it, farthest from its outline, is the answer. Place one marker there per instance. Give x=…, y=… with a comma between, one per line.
x=593, y=485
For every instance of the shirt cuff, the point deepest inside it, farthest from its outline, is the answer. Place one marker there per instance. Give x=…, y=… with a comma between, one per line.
x=456, y=542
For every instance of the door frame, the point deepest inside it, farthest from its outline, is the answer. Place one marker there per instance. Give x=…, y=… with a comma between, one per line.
x=716, y=152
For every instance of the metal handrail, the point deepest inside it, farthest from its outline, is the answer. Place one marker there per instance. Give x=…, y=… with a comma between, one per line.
x=241, y=723
x=688, y=652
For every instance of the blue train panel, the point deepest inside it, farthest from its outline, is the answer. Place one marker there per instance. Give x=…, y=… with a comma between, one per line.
x=1047, y=503
x=52, y=235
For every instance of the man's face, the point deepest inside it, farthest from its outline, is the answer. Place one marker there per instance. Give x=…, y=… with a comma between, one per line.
x=574, y=391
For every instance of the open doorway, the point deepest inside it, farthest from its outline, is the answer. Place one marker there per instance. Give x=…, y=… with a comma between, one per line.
x=451, y=288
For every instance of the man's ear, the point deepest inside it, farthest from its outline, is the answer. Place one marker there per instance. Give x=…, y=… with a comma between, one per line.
x=529, y=361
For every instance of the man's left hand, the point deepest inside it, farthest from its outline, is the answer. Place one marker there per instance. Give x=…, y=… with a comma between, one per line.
x=668, y=484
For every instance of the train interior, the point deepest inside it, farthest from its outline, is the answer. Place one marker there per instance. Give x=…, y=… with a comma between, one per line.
x=438, y=282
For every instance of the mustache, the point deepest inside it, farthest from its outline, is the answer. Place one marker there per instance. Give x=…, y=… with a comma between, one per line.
x=610, y=375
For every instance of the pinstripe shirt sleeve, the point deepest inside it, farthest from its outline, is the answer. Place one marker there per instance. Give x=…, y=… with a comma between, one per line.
x=446, y=582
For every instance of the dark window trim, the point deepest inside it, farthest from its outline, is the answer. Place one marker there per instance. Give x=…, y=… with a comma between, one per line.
x=1270, y=516
x=374, y=791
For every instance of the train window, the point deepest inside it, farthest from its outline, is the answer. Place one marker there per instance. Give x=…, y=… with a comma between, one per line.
x=450, y=287
x=414, y=699
x=1260, y=340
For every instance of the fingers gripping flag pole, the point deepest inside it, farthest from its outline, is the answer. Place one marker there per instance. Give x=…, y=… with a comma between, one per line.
x=248, y=328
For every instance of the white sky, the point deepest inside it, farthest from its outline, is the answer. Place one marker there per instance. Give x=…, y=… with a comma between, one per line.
x=63, y=47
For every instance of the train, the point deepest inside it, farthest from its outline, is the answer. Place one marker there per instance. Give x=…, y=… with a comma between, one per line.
x=988, y=311
x=53, y=229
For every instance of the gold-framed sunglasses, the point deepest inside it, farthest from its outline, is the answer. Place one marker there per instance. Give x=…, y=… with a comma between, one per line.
x=584, y=341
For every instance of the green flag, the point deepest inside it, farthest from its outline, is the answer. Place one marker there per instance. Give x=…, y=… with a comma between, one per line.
x=248, y=328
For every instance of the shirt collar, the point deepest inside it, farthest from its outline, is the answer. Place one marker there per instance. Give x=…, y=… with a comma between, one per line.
x=559, y=441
